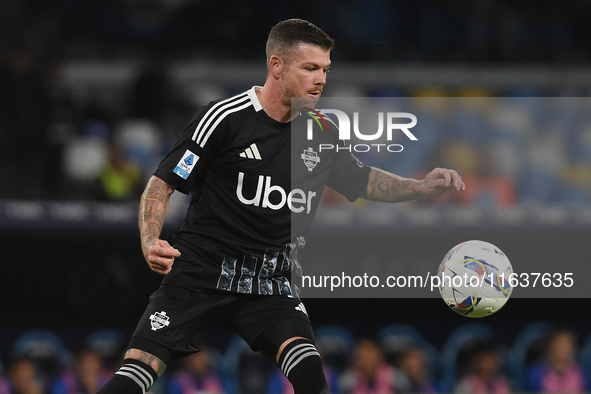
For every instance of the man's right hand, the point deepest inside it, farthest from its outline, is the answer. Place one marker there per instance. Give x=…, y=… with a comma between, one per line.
x=160, y=256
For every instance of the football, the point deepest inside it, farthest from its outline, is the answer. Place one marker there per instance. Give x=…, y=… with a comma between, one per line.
x=474, y=278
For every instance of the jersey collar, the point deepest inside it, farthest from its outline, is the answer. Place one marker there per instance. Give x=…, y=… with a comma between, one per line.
x=263, y=115
x=254, y=98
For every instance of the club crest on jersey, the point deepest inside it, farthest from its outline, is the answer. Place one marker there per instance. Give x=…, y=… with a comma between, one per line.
x=186, y=164
x=310, y=158
x=159, y=320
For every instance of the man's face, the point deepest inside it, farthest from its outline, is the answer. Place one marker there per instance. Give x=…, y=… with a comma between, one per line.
x=304, y=76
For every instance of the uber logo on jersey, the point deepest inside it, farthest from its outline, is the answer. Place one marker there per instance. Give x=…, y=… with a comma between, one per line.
x=186, y=164
x=297, y=200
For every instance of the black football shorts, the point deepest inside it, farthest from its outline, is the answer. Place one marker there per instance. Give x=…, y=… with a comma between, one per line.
x=175, y=315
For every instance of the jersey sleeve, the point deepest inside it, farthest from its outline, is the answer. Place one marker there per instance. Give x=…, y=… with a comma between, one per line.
x=190, y=154
x=349, y=176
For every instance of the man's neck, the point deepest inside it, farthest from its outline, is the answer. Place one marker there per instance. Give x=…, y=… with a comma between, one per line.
x=272, y=102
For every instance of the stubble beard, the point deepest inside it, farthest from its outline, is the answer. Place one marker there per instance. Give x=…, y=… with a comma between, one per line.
x=291, y=99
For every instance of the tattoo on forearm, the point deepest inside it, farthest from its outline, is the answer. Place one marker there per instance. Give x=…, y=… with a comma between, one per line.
x=151, y=231
x=152, y=212
x=156, y=190
x=153, y=208
x=386, y=187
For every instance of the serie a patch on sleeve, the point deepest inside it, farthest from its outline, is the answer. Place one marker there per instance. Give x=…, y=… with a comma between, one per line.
x=186, y=164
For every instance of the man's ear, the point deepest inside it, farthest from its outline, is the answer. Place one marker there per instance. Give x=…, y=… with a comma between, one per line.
x=276, y=66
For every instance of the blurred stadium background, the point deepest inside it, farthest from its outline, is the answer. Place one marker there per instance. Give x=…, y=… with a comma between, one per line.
x=93, y=93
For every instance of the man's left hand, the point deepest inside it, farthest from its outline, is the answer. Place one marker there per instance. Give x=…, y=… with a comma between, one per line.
x=440, y=181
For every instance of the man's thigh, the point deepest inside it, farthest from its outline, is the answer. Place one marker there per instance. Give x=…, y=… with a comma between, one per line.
x=265, y=322
x=174, y=316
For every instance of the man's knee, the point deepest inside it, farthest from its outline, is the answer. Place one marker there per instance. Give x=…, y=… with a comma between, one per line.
x=300, y=362
x=137, y=373
x=283, y=345
x=147, y=358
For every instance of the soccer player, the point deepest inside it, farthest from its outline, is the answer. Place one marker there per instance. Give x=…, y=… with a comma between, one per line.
x=255, y=186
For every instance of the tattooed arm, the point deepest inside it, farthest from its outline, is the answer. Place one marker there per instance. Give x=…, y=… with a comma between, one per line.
x=153, y=207
x=386, y=187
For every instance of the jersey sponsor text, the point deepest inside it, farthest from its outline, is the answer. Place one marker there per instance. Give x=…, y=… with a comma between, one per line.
x=297, y=200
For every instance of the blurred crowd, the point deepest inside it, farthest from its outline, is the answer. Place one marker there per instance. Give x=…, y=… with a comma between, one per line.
x=55, y=146
x=403, y=31
x=510, y=150
x=543, y=358
x=58, y=143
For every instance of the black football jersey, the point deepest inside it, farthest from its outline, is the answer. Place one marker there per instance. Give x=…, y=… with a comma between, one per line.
x=255, y=185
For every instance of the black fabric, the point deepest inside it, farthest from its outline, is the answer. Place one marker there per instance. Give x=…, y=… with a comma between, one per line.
x=273, y=337
x=144, y=366
x=254, y=192
x=120, y=385
x=132, y=377
x=175, y=315
x=155, y=349
x=301, y=364
x=308, y=377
